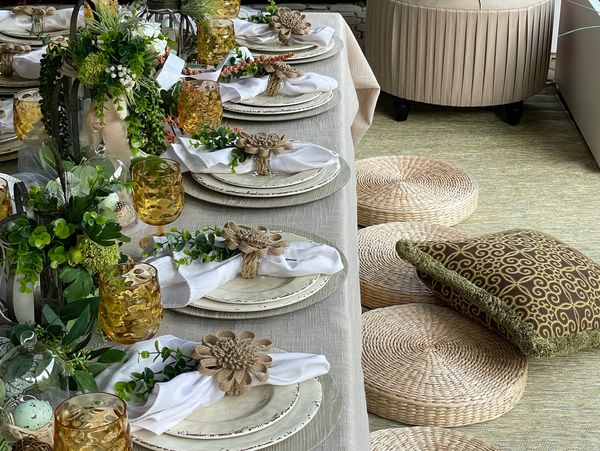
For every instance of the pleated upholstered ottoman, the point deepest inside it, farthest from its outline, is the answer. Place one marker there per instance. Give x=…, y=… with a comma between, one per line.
x=460, y=52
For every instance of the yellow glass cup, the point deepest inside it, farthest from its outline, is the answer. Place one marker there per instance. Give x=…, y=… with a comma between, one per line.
x=199, y=105
x=92, y=422
x=226, y=9
x=5, y=200
x=216, y=38
x=157, y=191
x=26, y=111
x=130, y=308
x=110, y=5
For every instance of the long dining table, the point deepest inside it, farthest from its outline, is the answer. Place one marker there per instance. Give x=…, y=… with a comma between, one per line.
x=331, y=327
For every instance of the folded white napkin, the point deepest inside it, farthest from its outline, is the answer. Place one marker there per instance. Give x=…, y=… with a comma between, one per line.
x=172, y=401
x=6, y=119
x=247, y=88
x=27, y=65
x=61, y=20
x=193, y=157
x=263, y=34
x=180, y=286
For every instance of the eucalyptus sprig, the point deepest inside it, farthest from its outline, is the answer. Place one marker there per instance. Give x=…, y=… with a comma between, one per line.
x=143, y=383
x=201, y=245
x=216, y=139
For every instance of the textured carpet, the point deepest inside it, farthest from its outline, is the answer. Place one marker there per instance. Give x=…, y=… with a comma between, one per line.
x=539, y=175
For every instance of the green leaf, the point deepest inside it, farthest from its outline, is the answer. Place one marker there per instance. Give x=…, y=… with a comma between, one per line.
x=52, y=318
x=73, y=310
x=80, y=283
x=78, y=328
x=18, y=366
x=113, y=356
x=85, y=381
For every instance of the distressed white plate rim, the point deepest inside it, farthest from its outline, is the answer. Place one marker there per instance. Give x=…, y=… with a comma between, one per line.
x=26, y=34
x=303, y=54
x=234, y=416
x=280, y=100
x=322, y=99
x=309, y=402
x=16, y=81
x=323, y=178
x=274, y=46
x=279, y=180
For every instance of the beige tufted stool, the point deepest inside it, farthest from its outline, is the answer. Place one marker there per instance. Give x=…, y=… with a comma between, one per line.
x=460, y=52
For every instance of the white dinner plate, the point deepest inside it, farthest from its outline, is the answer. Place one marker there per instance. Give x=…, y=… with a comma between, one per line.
x=26, y=34
x=302, y=54
x=262, y=289
x=323, y=178
x=17, y=82
x=307, y=406
x=323, y=98
x=280, y=100
x=233, y=416
x=274, y=46
x=277, y=180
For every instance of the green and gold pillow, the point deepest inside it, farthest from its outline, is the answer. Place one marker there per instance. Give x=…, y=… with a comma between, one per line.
x=535, y=290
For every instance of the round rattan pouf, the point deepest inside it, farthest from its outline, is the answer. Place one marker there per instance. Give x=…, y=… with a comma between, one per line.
x=386, y=279
x=425, y=439
x=417, y=189
x=428, y=365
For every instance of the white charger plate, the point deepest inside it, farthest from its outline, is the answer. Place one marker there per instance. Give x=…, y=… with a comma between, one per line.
x=323, y=98
x=26, y=34
x=264, y=100
x=233, y=416
x=307, y=406
x=17, y=82
x=279, y=180
x=323, y=178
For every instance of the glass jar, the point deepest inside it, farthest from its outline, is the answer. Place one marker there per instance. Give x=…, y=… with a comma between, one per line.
x=226, y=9
x=34, y=370
x=216, y=38
x=199, y=105
x=26, y=111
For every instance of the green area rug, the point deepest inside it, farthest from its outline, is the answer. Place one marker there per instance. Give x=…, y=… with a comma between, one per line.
x=541, y=175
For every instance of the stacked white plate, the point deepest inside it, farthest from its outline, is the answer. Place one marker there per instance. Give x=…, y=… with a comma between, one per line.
x=268, y=186
x=264, y=105
x=302, y=53
x=264, y=416
x=263, y=292
x=9, y=147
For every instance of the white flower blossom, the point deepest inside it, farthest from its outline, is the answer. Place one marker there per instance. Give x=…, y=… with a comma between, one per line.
x=109, y=203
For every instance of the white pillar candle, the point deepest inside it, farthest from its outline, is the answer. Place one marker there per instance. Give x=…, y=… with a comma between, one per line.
x=23, y=303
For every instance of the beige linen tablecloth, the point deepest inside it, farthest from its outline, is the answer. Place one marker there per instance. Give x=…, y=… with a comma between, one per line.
x=332, y=327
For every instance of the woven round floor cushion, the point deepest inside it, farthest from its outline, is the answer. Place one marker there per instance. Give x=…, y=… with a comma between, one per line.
x=415, y=189
x=386, y=279
x=428, y=365
x=425, y=439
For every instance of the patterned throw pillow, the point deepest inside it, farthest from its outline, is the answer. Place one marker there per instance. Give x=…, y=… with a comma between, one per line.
x=535, y=290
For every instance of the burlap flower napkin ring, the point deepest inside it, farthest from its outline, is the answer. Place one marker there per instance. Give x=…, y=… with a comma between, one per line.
x=254, y=244
x=278, y=72
x=7, y=55
x=234, y=360
x=289, y=22
x=261, y=145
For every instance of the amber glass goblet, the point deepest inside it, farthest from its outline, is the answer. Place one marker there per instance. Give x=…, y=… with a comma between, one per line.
x=26, y=111
x=5, y=201
x=199, y=104
x=130, y=307
x=92, y=422
x=157, y=192
x=216, y=38
x=226, y=9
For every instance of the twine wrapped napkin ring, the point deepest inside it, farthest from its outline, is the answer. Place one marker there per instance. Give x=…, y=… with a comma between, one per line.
x=279, y=71
x=234, y=360
x=254, y=244
x=261, y=145
x=7, y=55
x=288, y=22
